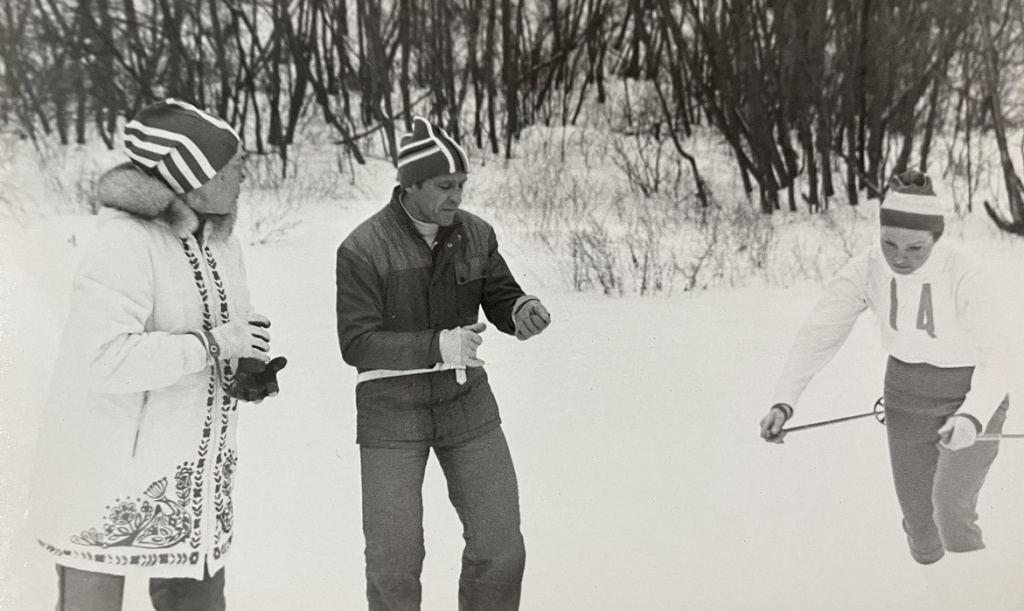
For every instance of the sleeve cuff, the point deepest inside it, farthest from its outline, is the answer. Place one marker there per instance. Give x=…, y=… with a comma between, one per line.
x=434, y=354
x=786, y=409
x=210, y=345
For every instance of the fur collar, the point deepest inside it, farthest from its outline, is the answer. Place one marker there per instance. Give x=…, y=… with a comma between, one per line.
x=142, y=195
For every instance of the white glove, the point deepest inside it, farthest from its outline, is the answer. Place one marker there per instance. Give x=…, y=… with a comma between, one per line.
x=246, y=337
x=958, y=433
x=530, y=317
x=773, y=421
x=458, y=345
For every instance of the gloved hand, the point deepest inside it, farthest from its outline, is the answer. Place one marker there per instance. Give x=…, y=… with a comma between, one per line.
x=458, y=345
x=957, y=433
x=774, y=420
x=255, y=380
x=530, y=317
x=246, y=337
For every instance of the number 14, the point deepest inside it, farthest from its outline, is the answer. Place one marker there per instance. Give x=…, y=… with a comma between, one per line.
x=925, y=317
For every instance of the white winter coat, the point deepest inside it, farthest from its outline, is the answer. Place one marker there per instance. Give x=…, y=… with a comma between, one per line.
x=137, y=452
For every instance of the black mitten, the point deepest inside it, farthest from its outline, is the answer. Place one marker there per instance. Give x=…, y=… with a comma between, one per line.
x=245, y=386
x=268, y=377
x=255, y=380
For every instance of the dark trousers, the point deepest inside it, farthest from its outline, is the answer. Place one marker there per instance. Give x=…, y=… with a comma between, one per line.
x=937, y=488
x=482, y=488
x=80, y=590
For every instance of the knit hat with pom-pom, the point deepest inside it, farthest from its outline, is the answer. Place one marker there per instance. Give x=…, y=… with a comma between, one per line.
x=912, y=203
x=428, y=152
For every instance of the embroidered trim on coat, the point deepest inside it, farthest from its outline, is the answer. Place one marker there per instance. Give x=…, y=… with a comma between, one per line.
x=153, y=559
x=162, y=523
x=223, y=472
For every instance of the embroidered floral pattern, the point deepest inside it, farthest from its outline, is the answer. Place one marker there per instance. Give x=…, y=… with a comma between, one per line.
x=225, y=484
x=161, y=521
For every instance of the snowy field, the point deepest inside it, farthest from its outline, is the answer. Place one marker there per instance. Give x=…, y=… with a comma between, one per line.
x=632, y=422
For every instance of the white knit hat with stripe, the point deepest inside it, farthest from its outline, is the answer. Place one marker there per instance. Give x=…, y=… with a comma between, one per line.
x=428, y=152
x=180, y=144
x=912, y=203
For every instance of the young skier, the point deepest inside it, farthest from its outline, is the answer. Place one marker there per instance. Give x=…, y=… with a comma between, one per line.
x=411, y=281
x=945, y=382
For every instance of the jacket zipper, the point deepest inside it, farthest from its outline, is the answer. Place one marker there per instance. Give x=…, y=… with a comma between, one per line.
x=138, y=423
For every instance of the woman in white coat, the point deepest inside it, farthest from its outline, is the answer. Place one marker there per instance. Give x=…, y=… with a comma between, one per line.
x=137, y=454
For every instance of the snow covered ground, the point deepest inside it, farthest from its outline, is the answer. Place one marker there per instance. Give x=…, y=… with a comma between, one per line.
x=633, y=424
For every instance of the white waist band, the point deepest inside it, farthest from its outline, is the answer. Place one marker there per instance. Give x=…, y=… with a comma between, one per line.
x=377, y=374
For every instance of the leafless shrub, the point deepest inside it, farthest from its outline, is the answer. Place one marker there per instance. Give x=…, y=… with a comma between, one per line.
x=635, y=252
x=594, y=259
x=46, y=179
x=845, y=232
x=652, y=265
x=276, y=190
x=649, y=169
x=810, y=262
x=754, y=234
x=541, y=199
x=815, y=248
x=972, y=172
x=709, y=252
x=77, y=189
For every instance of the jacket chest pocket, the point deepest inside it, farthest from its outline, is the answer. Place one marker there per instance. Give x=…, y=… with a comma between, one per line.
x=469, y=286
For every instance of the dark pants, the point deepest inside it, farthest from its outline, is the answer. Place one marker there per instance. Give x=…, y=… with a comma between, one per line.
x=80, y=590
x=482, y=488
x=937, y=488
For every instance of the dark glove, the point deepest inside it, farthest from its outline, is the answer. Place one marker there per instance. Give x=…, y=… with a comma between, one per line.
x=255, y=380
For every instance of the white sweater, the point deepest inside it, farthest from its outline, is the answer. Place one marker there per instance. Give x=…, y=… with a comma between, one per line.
x=947, y=314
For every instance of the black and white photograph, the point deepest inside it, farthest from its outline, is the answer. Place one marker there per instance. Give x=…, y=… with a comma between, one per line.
x=499, y=305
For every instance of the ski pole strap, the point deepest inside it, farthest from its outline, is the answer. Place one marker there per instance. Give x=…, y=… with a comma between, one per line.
x=377, y=374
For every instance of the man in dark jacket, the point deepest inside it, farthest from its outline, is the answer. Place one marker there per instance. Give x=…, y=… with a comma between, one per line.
x=411, y=281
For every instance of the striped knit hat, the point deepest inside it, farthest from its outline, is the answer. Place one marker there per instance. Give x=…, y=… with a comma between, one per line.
x=428, y=152
x=180, y=144
x=912, y=203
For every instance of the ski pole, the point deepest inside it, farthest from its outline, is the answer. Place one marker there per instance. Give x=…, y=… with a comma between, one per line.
x=878, y=412
x=997, y=437
x=880, y=406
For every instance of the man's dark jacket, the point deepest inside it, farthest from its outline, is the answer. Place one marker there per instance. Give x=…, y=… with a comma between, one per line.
x=395, y=296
